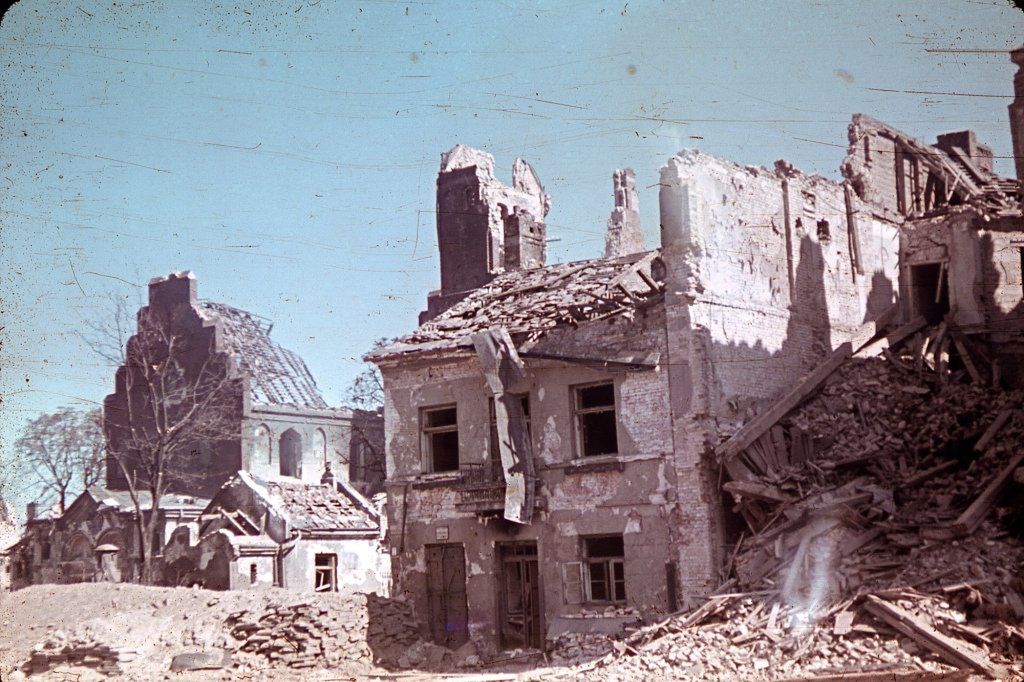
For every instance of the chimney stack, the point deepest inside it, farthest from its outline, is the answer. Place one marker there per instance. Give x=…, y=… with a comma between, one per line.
x=1017, y=112
x=624, y=235
x=30, y=511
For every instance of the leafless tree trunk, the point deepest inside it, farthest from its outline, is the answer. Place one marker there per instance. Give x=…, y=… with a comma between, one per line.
x=179, y=402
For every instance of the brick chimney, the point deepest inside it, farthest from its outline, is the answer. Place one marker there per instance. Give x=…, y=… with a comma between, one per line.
x=624, y=235
x=1017, y=112
x=31, y=511
x=484, y=227
x=967, y=142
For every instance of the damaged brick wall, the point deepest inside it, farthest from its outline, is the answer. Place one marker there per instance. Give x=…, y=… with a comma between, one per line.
x=768, y=271
x=484, y=227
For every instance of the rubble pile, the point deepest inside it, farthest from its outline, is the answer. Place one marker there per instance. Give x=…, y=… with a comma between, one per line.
x=331, y=632
x=874, y=539
x=79, y=651
x=294, y=635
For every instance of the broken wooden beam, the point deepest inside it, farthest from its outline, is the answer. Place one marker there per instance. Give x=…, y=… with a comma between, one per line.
x=756, y=491
x=965, y=357
x=893, y=338
x=979, y=509
x=993, y=430
x=924, y=475
x=804, y=388
x=925, y=635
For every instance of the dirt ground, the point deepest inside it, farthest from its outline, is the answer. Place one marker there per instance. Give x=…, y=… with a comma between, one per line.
x=151, y=625
x=156, y=622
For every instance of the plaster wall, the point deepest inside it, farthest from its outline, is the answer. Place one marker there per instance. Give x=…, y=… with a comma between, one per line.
x=357, y=563
x=632, y=493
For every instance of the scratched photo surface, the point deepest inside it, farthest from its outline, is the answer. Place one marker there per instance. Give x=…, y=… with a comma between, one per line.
x=507, y=340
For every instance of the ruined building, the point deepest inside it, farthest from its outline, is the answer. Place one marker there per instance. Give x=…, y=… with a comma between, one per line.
x=550, y=429
x=547, y=435
x=271, y=423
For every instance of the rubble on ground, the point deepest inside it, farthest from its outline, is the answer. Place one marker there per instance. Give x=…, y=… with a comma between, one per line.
x=105, y=629
x=873, y=540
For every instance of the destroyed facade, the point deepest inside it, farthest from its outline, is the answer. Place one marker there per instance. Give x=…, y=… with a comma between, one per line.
x=551, y=430
x=282, y=434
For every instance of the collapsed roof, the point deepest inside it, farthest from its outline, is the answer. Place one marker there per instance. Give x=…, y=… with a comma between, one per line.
x=530, y=303
x=958, y=171
x=322, y=507
x=278, y=376
x=304, y=507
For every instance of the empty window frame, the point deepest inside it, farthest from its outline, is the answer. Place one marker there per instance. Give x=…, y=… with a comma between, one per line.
x=594, y=416
x=325, y=573
x=604, y=569
x=440, y=438
x=496, y=467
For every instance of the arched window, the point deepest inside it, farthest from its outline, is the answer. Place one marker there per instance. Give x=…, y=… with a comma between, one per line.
x=290, y=448
x=77, y=548
x=261, y=445
x=320, y=446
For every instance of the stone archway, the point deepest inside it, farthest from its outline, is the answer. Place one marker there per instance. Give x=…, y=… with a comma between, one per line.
x=290, y=448
x=77, y=564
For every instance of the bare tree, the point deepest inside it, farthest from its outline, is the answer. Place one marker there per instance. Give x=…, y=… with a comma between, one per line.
x=106, y=327
x=65, y=450
x=367, y=390
x=175, y=402
x=366, y=396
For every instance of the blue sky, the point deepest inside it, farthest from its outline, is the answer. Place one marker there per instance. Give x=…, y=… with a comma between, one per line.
x=287, y=152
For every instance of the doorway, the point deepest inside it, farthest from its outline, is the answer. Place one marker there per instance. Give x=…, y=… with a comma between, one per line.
x=446, y=594
x=519, y=608
x=931, y=291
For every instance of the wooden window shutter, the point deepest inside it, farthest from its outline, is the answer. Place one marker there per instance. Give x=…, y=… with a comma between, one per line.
x=572, y=582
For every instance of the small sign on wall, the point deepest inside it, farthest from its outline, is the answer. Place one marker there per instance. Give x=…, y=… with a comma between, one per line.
x=441, y=533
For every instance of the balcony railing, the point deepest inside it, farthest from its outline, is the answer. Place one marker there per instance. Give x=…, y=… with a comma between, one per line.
x=482, y=487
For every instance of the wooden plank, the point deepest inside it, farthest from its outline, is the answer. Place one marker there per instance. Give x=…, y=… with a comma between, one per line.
x=894, y=338
x=854, y=234
x=852, y=544
x=738, y=470
x=979, y=509
x=767, y=446
x=993, y=430
x=505, y=374
x=781, y=451
x=804, y=388
x=925, y=635
x=968, y=361
x=756, y=491
x=922, y=476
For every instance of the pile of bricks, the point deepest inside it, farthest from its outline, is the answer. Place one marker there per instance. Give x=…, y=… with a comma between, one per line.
x=330, y=631
x=392, y=628
x=302, y=635
x=63, y=650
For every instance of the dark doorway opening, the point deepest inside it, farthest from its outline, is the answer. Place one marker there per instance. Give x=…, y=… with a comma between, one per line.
x=446, y=594
x=931, y=292
x=519, y=608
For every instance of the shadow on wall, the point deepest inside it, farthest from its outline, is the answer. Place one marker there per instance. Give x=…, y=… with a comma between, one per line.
x=880, y=297
x=808, y=340
x=1008, y=326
